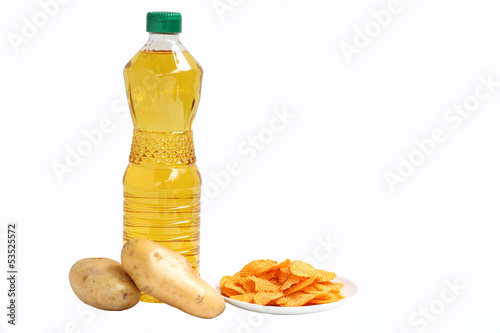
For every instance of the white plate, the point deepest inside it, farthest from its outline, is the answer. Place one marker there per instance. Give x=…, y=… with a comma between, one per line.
x=350, y=288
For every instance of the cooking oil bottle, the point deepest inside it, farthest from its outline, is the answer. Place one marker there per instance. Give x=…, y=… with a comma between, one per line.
x=162, y=182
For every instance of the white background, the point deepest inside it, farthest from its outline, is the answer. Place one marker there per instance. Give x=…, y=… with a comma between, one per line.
x=320, y=179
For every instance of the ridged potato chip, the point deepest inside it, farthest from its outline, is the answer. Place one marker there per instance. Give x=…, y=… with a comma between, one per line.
x=299, y=286
x=272, y=274
x=257, y=267
x=297, y=299
x=332, y=286
x=234, y=285
x=247, y=283
x=248, y=297
x=263, y=298
x=264, y=285
x=292, y=279
x=324, y=275
x=302, y=269
x=284, y=274
x=228, y=292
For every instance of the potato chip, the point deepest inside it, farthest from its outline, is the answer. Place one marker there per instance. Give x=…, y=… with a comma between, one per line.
x=228, y=292
x=283, y=264
x=292, y=279
x=314, y=288
x=337, y=286
x=297, y=299
x=272, y=274
x=234, y=285
x=325, y=275
x=278, y=301
x=284, y=274
x=274, y=302
x=276, y=282
x=264, y=285
x=229, y=286
x=323, y=296
x=331, y=286
x=299, y=286
x=257, y=267
x=334, y=297
x=272, y=271
x=319, y=301
x=248, y=297
x=224, y=280
x=263, y=298
x=302, y=269
x=247, y=283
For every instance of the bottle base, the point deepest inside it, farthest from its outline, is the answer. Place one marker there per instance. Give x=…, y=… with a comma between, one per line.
x=149, y=299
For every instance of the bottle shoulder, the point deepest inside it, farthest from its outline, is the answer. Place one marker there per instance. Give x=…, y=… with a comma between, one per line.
x=163, y=62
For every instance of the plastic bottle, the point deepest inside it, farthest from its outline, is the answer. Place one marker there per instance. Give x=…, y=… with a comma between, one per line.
x=162, y=182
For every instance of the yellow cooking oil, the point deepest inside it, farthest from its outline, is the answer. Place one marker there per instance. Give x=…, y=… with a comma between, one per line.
x=162, y=182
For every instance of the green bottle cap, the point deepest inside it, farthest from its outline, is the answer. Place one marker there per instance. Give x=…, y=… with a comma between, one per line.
x=164, y=22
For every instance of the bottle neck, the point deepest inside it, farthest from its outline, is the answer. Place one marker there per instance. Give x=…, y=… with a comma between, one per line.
x=173, y=38
x=163, y=42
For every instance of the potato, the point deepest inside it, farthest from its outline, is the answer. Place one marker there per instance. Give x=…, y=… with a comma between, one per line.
x=103, y=284
x=168, y=276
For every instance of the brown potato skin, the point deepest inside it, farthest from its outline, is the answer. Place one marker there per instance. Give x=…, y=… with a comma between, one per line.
x=103, y=284
x=168, y=276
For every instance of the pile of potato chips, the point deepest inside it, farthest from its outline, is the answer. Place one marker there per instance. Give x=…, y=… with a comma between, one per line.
x=289, y=283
